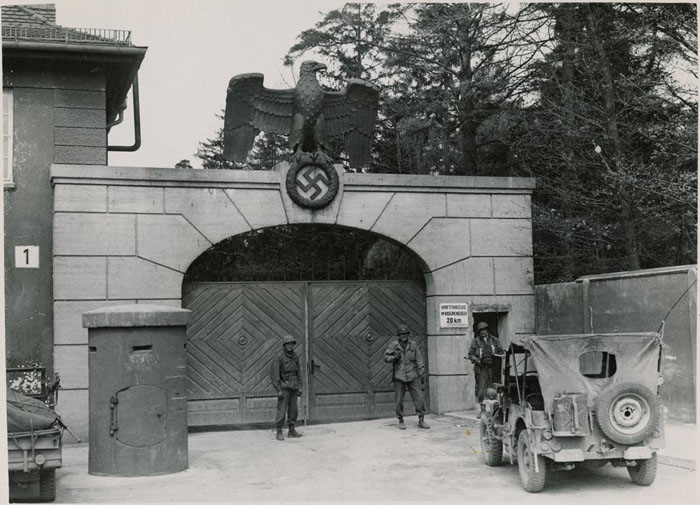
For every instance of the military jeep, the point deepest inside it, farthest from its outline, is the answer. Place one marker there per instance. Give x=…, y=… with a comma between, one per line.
x=570, y=400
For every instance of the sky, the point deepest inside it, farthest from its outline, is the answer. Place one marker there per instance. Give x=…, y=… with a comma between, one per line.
x=194, y=48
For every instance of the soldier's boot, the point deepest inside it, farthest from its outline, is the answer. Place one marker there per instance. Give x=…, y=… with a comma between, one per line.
x=402, y=426
x=421, y=423
x=280, y=436
x=293, y=433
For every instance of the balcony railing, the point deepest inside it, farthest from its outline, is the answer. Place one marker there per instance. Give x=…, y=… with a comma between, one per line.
x=68, y=35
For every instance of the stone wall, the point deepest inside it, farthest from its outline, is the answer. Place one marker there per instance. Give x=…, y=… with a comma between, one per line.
x=128, y=235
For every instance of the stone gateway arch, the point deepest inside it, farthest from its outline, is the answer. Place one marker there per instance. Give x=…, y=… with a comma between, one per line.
x=128, y=235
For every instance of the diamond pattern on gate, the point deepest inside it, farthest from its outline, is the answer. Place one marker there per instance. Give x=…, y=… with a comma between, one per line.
x=229, y=356
x=342, y=316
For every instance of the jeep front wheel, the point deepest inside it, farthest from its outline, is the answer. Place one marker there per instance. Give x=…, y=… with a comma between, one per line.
x=627, y=413
x=491, y=447
x=644, y=472
x=533, y=481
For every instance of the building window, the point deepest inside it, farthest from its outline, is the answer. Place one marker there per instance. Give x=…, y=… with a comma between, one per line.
x=7, y=106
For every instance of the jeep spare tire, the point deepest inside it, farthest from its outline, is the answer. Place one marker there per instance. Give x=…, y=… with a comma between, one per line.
x=627, y=413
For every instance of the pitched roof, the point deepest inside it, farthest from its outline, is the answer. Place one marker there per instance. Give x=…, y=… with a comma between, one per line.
x=36, y=16
x=30, y=32
x=38, y=23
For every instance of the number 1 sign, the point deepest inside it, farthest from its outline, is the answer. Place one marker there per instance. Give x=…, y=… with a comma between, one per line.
x=27, y=256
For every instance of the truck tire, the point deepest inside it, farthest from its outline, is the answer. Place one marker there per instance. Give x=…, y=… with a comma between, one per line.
x=47, y=485
x=645, y=472
x=532, y=481
x=491, y=447
x=627, y=413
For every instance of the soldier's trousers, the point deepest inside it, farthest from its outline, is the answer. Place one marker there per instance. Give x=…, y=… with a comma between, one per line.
x=414, y=389
x=287, y=406
x=482, y=380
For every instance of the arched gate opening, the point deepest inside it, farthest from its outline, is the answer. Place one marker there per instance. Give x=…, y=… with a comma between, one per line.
x=339, y=291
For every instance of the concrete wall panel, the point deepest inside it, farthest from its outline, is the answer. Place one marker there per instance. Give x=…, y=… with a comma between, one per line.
x=80, y=154
x=169, y=240
x=407, y=213
x=80, y=278
x=361, y=210
x=514, y=276
x=131, y=277
x=87, y=137
x=442, y=241
x=501, y=237
x=83, y=234
x=559, y=308
x=71, y=362
x=80, y=198
x=468, y=205
x=209, y=210
x=135, y=199
x=68, y=319
x=80, y=99
x=73, y=409
x=446, y=354
x=469, y=276
x=259, y=207
x=511, y=206
x=79, y=118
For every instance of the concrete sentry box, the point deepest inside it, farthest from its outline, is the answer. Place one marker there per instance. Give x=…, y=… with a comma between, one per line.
x=137, y=390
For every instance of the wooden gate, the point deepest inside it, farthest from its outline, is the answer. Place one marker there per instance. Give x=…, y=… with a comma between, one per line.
x=350, y=326
x=236, y=330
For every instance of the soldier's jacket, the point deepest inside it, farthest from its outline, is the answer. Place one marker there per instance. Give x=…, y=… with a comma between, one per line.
x=483, y=349
x=285, y=372
x=410, y=365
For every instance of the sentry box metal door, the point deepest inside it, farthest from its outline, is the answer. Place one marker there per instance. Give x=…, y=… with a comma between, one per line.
x=146, y=403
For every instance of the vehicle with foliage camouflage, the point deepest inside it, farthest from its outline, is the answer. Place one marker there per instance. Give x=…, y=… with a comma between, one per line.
x=570, y=400
x=34, y=434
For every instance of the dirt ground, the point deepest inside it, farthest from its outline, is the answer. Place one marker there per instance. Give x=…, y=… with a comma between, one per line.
x=367, y=462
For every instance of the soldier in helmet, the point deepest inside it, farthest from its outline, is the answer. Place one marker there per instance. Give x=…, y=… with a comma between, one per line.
x=286, y=379
x=408, y=374
x=481, y=352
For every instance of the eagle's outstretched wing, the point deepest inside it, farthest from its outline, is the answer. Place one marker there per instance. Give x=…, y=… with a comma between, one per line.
x=351, y=114
x=250, y=107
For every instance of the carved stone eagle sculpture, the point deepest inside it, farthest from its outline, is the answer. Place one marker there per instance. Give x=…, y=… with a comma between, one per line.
x=308, y=114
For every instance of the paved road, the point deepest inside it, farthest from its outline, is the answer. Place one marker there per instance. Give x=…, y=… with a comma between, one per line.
x=369, y=461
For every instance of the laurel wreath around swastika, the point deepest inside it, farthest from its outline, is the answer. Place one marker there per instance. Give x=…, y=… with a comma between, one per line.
x=312, y=184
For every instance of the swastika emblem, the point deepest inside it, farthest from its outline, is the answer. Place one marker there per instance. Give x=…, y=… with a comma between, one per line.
x=312, y=184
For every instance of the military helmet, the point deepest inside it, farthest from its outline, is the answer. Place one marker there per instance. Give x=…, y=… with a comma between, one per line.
x=288, y=339
x=482, y=325
x=402, y=328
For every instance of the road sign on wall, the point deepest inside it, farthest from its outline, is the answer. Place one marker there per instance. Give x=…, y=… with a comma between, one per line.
x=454, y=315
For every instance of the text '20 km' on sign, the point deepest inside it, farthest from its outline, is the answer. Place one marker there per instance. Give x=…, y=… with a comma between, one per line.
x=454, y=315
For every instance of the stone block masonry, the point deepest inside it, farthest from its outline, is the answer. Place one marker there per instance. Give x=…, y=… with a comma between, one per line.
x=128, y=235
